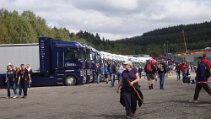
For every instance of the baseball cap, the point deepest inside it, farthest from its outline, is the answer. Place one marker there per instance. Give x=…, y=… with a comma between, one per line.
x=9, y=64
x=128, y=62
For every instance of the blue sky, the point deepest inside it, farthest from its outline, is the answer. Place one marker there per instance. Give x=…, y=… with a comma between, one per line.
x=115, y=19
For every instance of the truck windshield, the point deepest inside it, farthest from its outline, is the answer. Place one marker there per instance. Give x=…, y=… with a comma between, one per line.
x=74, y=54
x=71, y=54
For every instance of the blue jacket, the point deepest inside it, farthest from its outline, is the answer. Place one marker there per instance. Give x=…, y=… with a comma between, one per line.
x=200, y=73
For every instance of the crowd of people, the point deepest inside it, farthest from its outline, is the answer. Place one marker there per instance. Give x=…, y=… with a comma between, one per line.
x=128, y=77
x=112, y=71
x=18, y=78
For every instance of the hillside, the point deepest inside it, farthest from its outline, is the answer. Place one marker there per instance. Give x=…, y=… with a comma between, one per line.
x=154, y=42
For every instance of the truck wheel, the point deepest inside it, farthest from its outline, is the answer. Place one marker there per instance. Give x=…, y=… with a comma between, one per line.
x=70, y=81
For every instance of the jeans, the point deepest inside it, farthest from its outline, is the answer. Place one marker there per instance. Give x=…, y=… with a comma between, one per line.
x=99, y=78
x=112, y=79
x=15, y=88
x=9, y=82
x=198, y=89
x=178, y=75
x=183, y=76
x=23, y=86
x=162, y=79
x=118, y=77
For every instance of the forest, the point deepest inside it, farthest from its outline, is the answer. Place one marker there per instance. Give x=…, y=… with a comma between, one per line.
x=26, y=27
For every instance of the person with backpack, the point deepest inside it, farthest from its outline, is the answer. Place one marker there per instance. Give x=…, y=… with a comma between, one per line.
x=201, y=80
x=150, y=74
x=130, y=90
x=11, y=80
x=161, y=67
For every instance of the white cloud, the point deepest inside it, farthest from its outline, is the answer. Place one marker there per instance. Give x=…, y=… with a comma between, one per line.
x=115, y=19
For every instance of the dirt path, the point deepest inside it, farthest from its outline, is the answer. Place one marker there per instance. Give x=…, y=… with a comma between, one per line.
x=92, y=101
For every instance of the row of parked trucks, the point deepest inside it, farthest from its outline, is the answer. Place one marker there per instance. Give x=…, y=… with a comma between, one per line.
x=57, y=62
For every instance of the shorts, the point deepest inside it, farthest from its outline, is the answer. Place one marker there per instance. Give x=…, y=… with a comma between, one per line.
x=150, y=76
x=105, y=75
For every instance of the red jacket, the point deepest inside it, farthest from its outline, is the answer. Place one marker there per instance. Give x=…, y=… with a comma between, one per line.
x=207, y=63
x=183, y=67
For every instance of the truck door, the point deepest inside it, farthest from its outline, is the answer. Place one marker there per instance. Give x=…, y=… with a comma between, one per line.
x=60, y=58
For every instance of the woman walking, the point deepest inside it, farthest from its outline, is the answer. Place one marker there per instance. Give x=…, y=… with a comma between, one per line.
x=11, y=80
x=28, y=67
x=129, y=95
x=17, y=73
x=22, y=81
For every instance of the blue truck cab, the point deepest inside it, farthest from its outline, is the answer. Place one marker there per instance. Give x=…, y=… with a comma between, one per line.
x=61, y=63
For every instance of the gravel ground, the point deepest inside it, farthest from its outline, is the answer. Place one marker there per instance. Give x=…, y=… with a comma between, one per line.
x=92, y=101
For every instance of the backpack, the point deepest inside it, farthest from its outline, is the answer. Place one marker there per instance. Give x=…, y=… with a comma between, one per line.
x=160, y=67
x=207, y=72
x=149, y=68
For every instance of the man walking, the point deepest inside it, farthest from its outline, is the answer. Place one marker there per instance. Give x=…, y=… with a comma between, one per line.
x=183, y=70
x=113, y=72
x=201, y=80
x=149, y=69
x=161, y=67
x=178, y=71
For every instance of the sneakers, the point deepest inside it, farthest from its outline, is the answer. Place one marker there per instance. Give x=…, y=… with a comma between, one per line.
x=193, y=101
x=14, y=97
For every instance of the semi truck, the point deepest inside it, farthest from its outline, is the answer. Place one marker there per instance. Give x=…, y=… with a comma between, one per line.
x=53, y=61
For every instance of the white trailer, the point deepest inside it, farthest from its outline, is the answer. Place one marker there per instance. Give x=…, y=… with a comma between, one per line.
x=19, y=54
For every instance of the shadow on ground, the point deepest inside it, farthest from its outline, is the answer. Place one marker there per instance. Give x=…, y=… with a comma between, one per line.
x=110, y=116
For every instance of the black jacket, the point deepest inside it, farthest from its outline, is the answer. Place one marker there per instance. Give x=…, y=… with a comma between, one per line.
x=140, y=101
